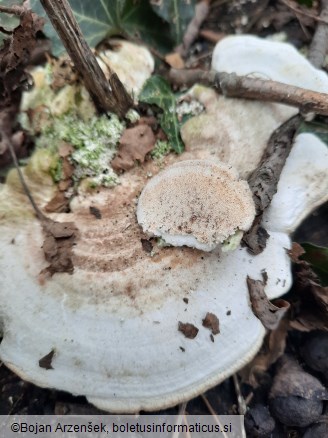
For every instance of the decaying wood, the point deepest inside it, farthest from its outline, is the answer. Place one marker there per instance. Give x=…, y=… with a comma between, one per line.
x=232, y=85
x=319, y=45
x=264, y=180
x=108, y=95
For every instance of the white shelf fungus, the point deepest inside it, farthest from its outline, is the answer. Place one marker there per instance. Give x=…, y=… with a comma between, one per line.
x=196, y=203
x=237, y=130
x=112, y=325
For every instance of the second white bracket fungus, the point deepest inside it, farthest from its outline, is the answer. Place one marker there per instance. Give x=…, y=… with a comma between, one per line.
x=196, y=203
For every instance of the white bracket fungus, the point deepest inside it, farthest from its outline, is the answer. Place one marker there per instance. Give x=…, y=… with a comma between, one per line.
x=112, y=326
x=196, y=203
x=113, y=323
x=237, y=130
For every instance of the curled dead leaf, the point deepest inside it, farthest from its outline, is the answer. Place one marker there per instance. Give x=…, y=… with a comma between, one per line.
x=57, y=247
x=188, y=330
x=272, y=349
x=134, y=145
x=268, y=313
x=45, y=361
x=211, y=322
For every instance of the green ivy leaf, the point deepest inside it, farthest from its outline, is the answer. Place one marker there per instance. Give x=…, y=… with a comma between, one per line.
x=8, y=22
x=178, y=13
x=307, y=3
x=316, y=128
x=317, y=256
x=100, y=19
x=157, y=91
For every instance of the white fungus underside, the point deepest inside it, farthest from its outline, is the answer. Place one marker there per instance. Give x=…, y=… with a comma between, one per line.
x=123, y=352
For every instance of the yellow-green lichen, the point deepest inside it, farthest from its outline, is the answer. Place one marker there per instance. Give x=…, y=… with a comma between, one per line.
x=232, y=242
x=161, y=149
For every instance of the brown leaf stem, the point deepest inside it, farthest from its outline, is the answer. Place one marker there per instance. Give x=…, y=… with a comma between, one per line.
x=232, y=85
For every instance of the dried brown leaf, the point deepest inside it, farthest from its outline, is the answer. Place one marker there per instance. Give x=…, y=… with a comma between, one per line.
x=188, y=330
x=45, y=361
x=268, y=313
x=175, y=60
x=273, y=347
x=295, y=252
x=58, y=204
x=134, y=145
x=211, y=322
x=14, y=56
x=58, y=245
x=310, y=308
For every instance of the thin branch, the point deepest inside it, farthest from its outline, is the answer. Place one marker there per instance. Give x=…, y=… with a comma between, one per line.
x=6, y=139
x=108, y=95
x=214, y=414
x=14, y=10
x=241, y=404
x=231, y=85
x=301, y=12
x=319, y=45
x=181, y=413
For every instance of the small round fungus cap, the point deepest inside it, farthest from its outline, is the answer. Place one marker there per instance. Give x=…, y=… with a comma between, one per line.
x=196, y=203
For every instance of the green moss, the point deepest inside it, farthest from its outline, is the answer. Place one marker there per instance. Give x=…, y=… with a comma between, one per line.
x=94, y=142
x=69, y=116
x=161, y=149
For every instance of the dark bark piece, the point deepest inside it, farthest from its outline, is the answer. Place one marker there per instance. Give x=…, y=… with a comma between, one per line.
x=108, y=95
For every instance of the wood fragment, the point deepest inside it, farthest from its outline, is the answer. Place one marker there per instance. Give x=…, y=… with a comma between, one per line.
x=264, y=180
x=319, y=45
x=232, y=85
x=108, y=95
